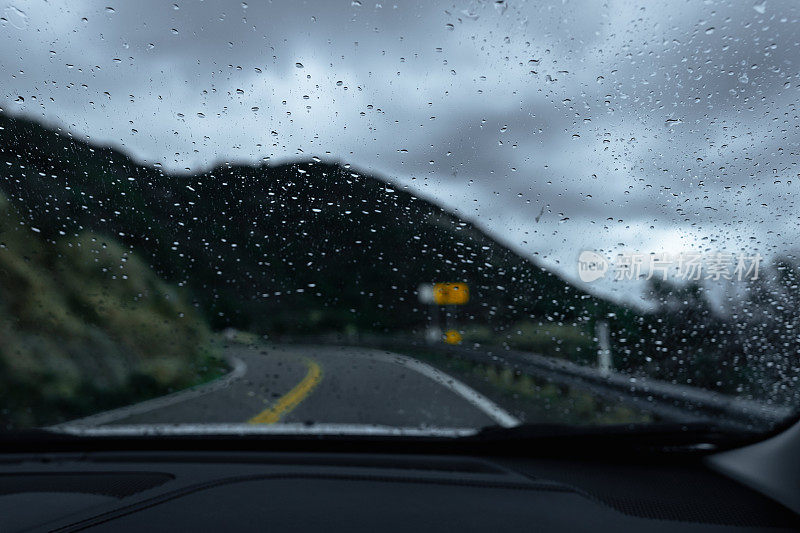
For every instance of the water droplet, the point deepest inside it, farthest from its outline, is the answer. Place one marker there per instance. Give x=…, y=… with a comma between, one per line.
x=16, y=17
x=449, y=27
x=110, y=9
x=174, y=31
x=298, y=65
x=710, y=30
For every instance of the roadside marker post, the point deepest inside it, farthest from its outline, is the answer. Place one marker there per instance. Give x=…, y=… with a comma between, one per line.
x=603, y=348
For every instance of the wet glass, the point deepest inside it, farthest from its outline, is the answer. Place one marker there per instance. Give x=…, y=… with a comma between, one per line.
x=419, y=215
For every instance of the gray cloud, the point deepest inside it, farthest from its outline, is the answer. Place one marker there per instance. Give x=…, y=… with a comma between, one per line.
x=617, y=125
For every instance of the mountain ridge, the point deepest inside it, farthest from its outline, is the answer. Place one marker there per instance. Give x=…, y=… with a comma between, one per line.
x=284, y=217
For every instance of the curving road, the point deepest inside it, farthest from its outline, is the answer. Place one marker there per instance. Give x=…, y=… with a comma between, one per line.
x=317, y=385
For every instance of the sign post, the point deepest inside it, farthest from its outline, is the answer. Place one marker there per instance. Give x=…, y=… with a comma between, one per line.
x=437, y=296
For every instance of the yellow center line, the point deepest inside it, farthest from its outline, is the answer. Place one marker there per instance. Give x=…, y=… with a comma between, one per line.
x=291, y=399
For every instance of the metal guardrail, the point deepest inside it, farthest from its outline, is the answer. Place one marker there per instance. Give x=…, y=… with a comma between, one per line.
x=672, y=401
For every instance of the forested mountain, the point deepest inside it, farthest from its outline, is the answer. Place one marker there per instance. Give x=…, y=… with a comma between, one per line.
x=304, y=247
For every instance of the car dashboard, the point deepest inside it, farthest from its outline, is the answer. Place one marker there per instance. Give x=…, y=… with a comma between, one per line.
x=287, y=491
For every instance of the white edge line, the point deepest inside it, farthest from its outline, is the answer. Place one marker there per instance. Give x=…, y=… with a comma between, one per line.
x=491, y=409
x=239, y=370
x=259, y=429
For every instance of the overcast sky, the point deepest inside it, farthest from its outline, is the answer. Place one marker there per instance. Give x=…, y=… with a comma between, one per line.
x=557, y=126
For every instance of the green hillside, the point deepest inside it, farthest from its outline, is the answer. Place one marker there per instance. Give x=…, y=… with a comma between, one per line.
x=85, y=325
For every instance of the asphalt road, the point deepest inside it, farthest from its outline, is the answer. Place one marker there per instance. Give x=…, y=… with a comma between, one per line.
x=320, y=384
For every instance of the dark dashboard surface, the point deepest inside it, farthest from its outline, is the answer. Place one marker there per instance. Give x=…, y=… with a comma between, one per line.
x=251, y=491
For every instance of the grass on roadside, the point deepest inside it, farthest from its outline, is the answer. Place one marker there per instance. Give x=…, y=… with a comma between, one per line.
x=566, y=341
x=531, y=399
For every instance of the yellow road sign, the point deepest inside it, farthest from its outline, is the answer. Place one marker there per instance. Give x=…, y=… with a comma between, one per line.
x=450, y=293
x=452, y=337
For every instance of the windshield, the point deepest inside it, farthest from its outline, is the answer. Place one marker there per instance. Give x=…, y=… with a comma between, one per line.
x=417, y=218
